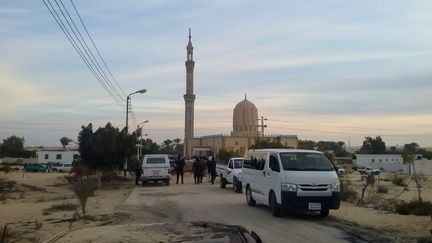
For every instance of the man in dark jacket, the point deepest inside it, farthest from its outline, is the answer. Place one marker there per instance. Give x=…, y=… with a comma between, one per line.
x=212, y=169
x=138, y=172
x=180, y=163
x=195, y=169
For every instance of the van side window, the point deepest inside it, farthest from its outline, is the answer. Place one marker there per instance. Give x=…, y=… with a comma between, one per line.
x=274, y=164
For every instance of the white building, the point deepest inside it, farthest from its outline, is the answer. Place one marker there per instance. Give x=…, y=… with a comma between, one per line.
x=385, y=162
x=56, y=156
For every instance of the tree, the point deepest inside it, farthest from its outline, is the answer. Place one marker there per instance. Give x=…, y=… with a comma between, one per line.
x=306, y=144
x=408, y=155
x=264, y=143
x=65, y=141
x=337, y=148
x=12, y=146
x=373, y=146
x=225, y=154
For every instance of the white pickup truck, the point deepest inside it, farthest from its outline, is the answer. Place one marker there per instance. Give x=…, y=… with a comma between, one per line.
x=368, y=170
x=231, y=174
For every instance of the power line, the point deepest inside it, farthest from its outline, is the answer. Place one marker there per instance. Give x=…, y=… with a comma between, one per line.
x=64, y=29
x=97, y=50
x=91, y=56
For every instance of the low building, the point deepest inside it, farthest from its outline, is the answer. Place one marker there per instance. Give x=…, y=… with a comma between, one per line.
x=57, y=156
x=384, y=162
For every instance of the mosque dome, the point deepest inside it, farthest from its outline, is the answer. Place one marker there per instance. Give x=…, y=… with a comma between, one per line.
x=245, y=119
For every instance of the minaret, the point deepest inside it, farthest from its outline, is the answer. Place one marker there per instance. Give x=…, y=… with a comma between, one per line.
x=189, y=97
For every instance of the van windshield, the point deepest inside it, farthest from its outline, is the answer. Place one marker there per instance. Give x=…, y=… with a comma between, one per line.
x=155, y=161
x=238, y=163
x=305, y=162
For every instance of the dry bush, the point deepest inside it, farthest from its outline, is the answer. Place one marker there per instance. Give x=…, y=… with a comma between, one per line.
x=382, y=189
x=346, y=191
x=60, y=207
x=415, y=207
x=34, y=188
x=83, y=189
x=398, y=180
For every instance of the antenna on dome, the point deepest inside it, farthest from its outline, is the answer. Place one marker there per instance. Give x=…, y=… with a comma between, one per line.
x=245, y=97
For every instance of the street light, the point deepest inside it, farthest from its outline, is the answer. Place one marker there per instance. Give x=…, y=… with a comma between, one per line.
x=139, y=124
x=141, y=91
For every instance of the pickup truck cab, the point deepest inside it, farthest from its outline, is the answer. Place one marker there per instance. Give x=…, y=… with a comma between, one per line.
x=368, y=170
x=156, y=167
x=231, y=174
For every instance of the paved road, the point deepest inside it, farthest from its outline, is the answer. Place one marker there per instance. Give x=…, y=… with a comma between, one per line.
x=206, y=202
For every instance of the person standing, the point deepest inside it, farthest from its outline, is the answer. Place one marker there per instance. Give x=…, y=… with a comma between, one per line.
x=201, y=169
x=195, y=169
x=180, y=163
x=212, y=169
x=138, y=172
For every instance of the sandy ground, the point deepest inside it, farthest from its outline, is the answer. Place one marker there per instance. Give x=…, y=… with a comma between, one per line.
x=132, y=213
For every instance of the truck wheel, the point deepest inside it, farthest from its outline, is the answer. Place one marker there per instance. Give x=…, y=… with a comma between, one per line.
x=324, y=213
x=274, y=206
x=222, y=182
x=143, y=183
x=167, y=182
x=236, y=185
x=249, y=199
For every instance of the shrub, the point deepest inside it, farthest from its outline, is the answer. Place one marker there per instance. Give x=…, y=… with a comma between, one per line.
x=416, y=207
x=346, y=192
x=397, y=180
x=83, y=189
x=382, y=189
x=60, y=207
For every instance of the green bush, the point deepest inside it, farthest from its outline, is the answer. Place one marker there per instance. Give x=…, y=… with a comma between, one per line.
x=382, y=189
x=397, y=180
x=416, y=207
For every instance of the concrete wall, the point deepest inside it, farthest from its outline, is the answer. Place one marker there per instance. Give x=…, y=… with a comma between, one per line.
x=422, y=167
x=44, y=157
x=386, y=162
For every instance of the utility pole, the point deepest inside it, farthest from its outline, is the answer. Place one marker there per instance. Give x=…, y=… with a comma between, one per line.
x=262, y=119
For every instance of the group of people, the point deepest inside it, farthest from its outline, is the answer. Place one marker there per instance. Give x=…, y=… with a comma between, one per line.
x=199, y=167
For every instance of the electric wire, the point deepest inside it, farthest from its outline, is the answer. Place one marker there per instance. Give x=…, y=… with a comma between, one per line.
x=97, y=50
x=91, y=55
x=64, y=29
x=88, y=53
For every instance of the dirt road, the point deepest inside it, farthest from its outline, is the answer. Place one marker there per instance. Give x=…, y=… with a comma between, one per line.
x=207, y=202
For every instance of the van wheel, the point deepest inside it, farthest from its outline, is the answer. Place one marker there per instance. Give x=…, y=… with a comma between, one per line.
x=274, y=206
x=167, y=182
x=324, y=213
x=222, y=182
x=143, y=183
x=236, y=185
x=249, y=199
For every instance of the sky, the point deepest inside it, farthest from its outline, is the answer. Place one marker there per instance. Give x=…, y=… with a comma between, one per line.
x=322, y=70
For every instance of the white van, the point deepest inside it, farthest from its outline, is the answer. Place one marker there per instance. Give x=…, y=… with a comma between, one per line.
x=156, y=167
x=290, y=179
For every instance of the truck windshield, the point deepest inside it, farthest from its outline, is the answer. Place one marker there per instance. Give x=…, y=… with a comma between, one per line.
x=238, y=163
x=305, y=162
x=155, y=161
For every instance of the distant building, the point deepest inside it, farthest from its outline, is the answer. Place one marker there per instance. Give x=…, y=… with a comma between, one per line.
x=385, y=162
x=57, y=156
x=245, y=123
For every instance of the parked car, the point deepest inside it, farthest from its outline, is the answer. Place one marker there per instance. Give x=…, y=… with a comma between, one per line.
x=37, y=168
x=156, y=167
x=67, y=167
x=231, y=173
x=290, y=179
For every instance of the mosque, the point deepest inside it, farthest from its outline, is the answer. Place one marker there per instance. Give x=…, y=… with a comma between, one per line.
x=245, y=123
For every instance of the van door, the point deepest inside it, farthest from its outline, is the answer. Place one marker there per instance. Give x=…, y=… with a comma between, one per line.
x=156, y=167
x=229, y=170
x=272, y=179
x=260, y=174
